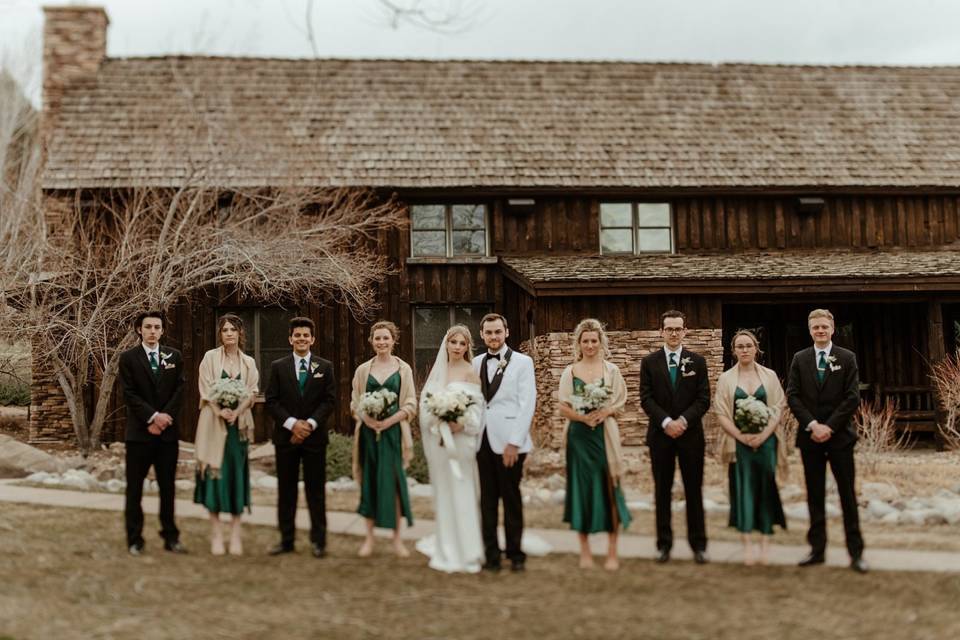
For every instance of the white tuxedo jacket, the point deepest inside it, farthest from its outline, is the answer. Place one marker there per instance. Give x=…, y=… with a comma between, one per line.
x=510, y=411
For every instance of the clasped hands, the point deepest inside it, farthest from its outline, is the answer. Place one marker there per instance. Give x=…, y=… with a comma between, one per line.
x=595, y=417
x=752, y=440
x=675, y=428
x=300, y=431
x=160, y=422
x=820, y=432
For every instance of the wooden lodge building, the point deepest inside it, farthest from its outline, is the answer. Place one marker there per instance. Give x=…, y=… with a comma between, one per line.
x=742, y=194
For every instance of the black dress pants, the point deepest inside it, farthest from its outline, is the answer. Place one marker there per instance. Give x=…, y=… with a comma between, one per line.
x=665, y=452
x=140, y=456
x=498, y=482
x=815, y=459
x=289, y=459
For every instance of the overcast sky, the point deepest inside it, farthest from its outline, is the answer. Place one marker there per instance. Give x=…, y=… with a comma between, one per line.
x=912, y=32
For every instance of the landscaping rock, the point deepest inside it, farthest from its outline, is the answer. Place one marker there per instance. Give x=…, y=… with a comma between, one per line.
x=343, y=483
x=185, y=485
x=421, y=491
x=267, y=483
x=79, y=479
x=559, y=496
x=555, y=481
x=19, y=460
x=796, y=511
x=891, y=518
x=880, y=491
x=790, y=493
x=114, y=485
x=878, y=509
x=640, y=505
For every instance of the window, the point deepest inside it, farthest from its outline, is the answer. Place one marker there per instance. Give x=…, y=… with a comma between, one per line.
x=448, y=230
x=265, y=335
x=635, y=227
x=430, y=324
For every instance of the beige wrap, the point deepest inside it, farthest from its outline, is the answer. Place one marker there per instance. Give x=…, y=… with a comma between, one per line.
x=611, y=430
x=723, y=405
x=211, y=429
x=408, y=403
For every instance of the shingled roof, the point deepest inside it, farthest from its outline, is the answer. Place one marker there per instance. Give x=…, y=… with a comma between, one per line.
x=437, y=124
x=838, y=271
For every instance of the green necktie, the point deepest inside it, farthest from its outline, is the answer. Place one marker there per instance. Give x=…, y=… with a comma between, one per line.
x=154, y=365
x=822, y=366
x=303, y=373
x=673, y=369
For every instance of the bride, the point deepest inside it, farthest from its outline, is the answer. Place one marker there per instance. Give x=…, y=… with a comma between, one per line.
x=451, y=452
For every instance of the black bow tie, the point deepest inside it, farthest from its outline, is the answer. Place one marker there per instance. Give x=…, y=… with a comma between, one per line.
x=493, y=356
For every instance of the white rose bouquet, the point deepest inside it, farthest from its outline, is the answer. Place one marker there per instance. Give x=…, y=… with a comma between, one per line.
x=591, y=396
x=449, y=405
x=228, y=393
x=751, y=415
x=376, y=403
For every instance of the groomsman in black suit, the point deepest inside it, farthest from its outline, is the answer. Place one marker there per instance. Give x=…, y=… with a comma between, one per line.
x=823, y=391
x=152, y=378
x=675, y=393
x=301, y=396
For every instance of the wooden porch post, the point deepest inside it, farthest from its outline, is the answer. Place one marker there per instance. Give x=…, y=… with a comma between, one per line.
x=936, y=351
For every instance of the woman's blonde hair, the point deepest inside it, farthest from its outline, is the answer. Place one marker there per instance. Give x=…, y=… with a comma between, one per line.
x=462, y=330
x=590, y=324
x=384, y=324
x=749, y=334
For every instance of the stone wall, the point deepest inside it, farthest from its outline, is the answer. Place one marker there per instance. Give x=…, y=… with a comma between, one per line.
x=49, y=417
x=552, y=352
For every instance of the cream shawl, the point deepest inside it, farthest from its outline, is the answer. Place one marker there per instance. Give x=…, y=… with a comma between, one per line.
x=611, y=430
x=408, y=403
x=211, y=429
x=723, y=405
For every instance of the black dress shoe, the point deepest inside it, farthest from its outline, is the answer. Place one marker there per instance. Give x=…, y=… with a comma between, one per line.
x=663, y=556
x=700, y=557
x=517, y=565
x=811, y=559
x=279, y=549
x=317, y=550
x=136, y=549
x=492, y=567
x=175, y=547
x=859, y=565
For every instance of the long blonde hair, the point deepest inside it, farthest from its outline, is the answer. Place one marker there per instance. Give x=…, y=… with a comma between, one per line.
x=590, y=324
x=462, y=330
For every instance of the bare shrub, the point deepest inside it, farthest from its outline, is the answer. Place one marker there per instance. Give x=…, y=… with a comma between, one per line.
x=945, y=376
x=876, y=423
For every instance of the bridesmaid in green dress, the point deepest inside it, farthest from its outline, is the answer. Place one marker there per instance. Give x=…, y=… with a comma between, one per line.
x=754, y=499
x=224, y=434
x=594, y=500
x=383, y=446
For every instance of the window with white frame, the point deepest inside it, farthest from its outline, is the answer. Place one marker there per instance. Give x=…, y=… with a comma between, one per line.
x=635, y=227
x=430, y=324
x=448, y=230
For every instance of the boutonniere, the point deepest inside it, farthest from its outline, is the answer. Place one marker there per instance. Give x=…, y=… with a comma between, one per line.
x=684, y=363
x=314, y=366
x=164, y=357
x=318, y=375
x=501, y=366
x=832, y=361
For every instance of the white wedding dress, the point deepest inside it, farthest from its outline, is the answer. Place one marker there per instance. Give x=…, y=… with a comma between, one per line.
x=456, y=545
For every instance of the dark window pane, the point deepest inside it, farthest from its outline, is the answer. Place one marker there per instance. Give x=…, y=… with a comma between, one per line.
x=616, y=214
x=469, y=243
x=249, y=328
x=428, y=216
x=469, y=216
x=653, y=239
x=429, y=326
x=616, y=241
x=653, y=214
x=275, y=329
x=429, y=243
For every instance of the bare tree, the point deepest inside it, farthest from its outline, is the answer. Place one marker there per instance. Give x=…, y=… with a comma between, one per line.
x=945, y=376
x=876, y=424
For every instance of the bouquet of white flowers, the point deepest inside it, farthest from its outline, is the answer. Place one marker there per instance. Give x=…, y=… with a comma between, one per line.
x=448, y=405
x=592, y=396
x=375, y=404
x=228, y=392
x=751, y=415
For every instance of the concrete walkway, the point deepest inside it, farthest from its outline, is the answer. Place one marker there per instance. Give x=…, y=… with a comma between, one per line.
x=562, y=540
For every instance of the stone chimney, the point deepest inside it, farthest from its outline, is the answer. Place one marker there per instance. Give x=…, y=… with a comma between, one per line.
x=74, y=45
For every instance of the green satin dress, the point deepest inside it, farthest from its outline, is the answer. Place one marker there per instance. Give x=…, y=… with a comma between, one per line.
x=228, y=491
x=593, y=503
x=383, y=479
x=754, y=499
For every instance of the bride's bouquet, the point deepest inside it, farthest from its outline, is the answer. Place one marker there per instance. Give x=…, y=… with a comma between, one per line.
x=751, y=415
x=375, y=404
x=448, y=405
x=228, y=393
x=592, y=396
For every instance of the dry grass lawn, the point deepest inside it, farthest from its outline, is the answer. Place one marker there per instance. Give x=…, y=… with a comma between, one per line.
x=66, y=575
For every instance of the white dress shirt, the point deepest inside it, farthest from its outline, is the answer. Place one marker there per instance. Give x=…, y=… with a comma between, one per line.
x=289, y=422
x=493, y=364
x=156, y=352
x=816, y=363
x=667, y=352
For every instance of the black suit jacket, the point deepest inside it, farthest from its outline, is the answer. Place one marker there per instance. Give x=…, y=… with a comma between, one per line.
x=145, y=394
x=317, y=401
x=833, y=402
x=660, y=399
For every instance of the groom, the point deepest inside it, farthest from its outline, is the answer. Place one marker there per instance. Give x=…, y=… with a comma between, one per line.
x=675, y=394
x=509, y=387
x=823, y=391
x=301, y=395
